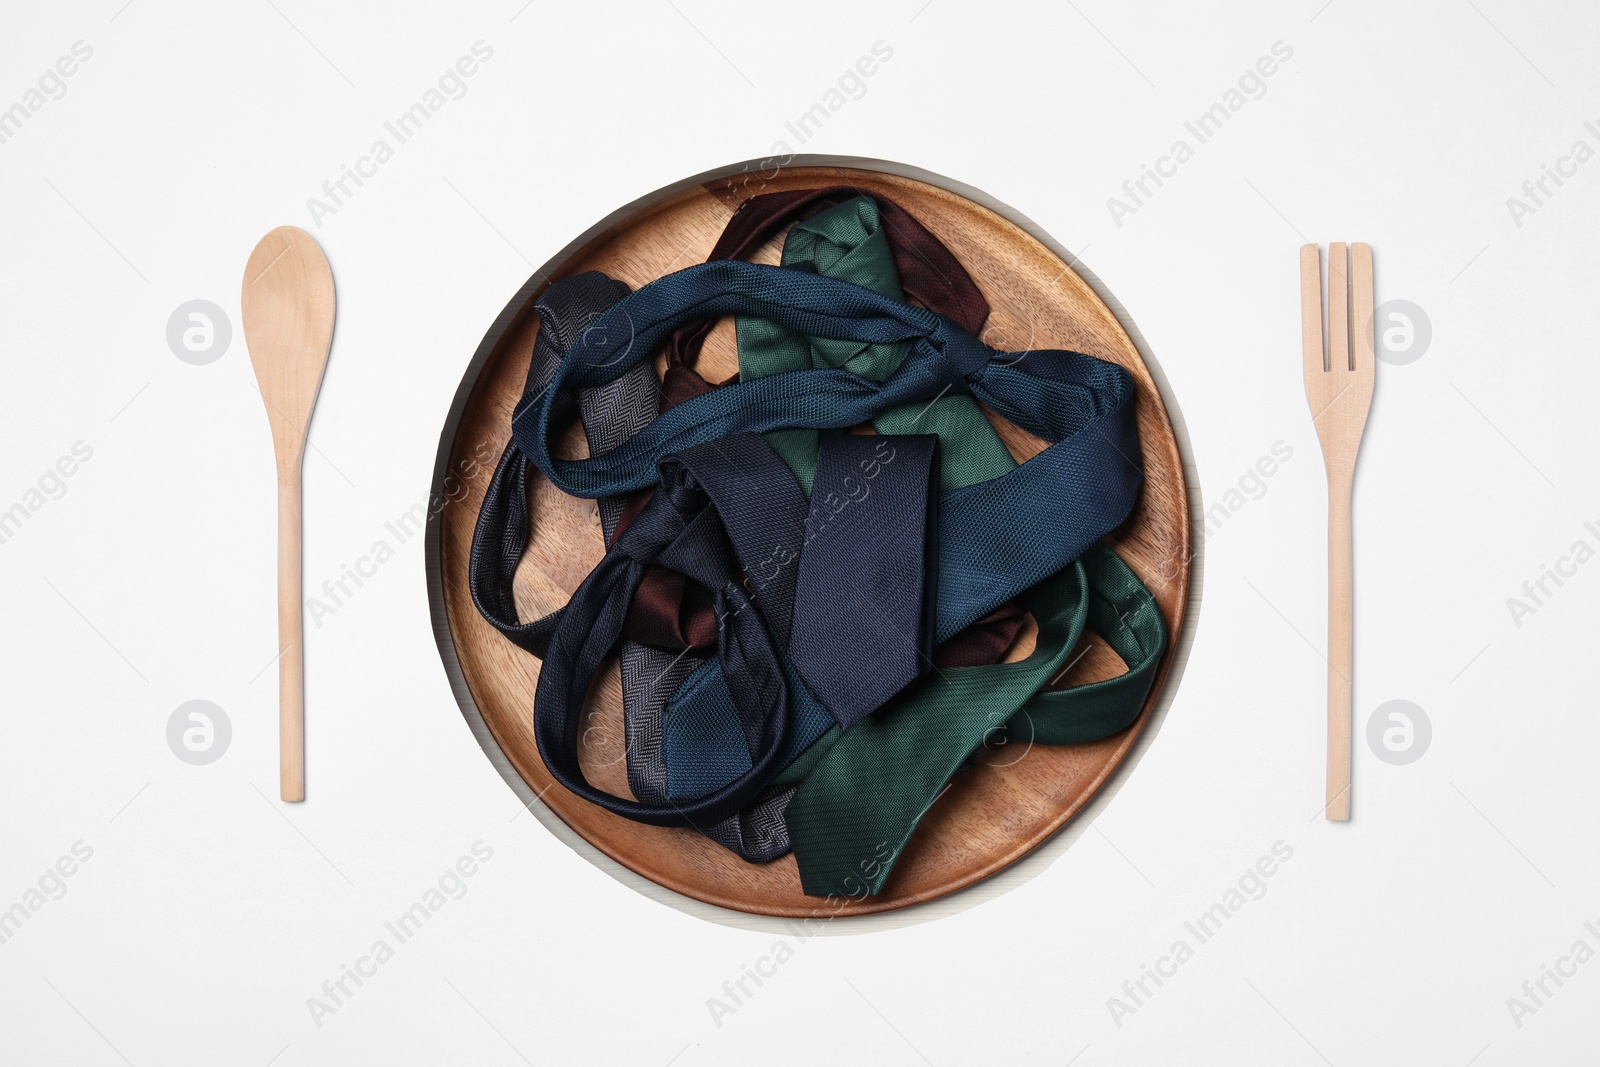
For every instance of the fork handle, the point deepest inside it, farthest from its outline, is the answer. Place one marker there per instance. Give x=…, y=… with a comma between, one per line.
x=1341, y=598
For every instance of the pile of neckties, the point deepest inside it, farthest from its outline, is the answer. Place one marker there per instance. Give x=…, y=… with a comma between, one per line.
x=812, y=623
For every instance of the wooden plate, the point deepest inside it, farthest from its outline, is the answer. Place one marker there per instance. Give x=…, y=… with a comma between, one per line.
x=1018, y=794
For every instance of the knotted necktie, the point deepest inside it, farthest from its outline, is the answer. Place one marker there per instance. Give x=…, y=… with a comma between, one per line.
x=849, y=242
x=928, y=271
x=1080, y=404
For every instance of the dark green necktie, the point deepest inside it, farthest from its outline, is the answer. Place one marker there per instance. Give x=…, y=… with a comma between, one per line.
x=865, y=789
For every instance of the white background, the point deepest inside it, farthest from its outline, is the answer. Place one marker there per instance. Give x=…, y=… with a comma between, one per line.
x=209, y=912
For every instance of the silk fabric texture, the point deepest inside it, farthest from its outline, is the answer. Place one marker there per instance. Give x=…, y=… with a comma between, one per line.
x=847, y=814
x=846, y=235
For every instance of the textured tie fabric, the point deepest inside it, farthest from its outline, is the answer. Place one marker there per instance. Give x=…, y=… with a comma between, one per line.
x=684, y=528
x=869, y=242
x=611, y=414
x=1081, y=404
x=850, y=242
x=865, y=586
x=852, y=571
x=622, y=407
x=649, y=674
x=724, y=510
x=873, y=243
x=854, y=796
x=846, y=241
x=929, y=273
x=856, y=808
x=989, y=532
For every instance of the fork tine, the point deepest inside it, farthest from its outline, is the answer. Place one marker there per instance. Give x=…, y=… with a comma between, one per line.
x=1338, y=306
x=1311, y=307
x=1361, y=324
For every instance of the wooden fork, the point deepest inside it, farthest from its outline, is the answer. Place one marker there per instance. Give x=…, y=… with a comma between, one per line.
x=1339, y=390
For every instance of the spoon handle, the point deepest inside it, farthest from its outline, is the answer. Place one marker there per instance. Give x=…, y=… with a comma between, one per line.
x=291, y=662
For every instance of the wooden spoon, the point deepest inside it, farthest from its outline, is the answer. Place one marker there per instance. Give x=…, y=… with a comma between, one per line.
x=287, y=304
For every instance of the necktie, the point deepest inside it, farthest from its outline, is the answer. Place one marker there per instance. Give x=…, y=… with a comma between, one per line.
x=849, y=241
x=680, y=528
x=856, y=808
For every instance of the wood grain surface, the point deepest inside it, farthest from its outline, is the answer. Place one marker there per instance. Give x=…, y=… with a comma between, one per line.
x=287, y=308
x=1018, y=793
x=1339, y=380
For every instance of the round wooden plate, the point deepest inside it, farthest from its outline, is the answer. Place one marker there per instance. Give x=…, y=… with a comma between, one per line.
x=1018, y=794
